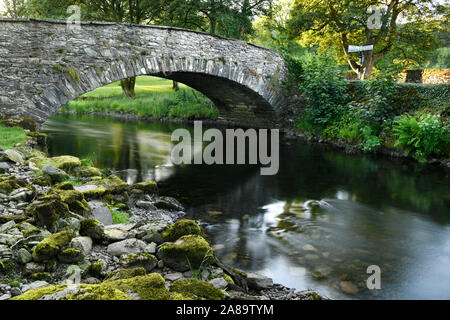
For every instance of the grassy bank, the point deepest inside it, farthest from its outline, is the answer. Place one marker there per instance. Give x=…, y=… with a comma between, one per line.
x=154, y=98
x=372, y=115
x=10, y=136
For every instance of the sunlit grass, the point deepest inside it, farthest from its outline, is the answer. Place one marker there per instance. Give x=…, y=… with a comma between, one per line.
x=9, y=137
x=154, y=97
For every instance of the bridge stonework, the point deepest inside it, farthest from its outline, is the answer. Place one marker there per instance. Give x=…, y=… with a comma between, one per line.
x=45, y=64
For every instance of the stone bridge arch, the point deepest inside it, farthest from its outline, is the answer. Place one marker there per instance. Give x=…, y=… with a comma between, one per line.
x=45, y=64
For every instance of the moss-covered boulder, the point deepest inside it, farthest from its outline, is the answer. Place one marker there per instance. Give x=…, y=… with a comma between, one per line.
x=70, y=255
x=188, y=251
x=181, y=228
x=112, y=188
x=47, y=210
x=197, y=290
x=88, y=172
x=75, y=200
x=66, y=163
x=146, y=287
x=51, y=246
x=139, y=259
x=9, y=184
x=95, y=270
x=147, y=187
x=92, y=228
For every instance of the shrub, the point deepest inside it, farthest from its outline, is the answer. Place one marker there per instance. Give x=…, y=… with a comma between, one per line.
x=371, y=141
x=323, y=87
x=423, y=136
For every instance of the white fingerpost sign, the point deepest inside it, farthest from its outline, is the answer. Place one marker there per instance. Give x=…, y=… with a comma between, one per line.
x=360, y=48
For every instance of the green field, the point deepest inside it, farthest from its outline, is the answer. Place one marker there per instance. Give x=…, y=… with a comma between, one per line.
x=154, y=97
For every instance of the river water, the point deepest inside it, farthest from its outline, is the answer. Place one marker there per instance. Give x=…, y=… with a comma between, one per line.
x=389, y=213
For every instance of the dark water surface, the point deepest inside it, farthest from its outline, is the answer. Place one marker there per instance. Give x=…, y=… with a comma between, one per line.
x=382, y=212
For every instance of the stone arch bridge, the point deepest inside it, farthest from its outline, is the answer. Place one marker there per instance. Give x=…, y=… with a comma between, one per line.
x=45, y=64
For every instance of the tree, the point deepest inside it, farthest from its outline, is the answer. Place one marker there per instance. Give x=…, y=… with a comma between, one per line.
x=403, y=27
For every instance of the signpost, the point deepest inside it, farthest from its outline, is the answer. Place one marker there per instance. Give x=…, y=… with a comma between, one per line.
x=360, y=49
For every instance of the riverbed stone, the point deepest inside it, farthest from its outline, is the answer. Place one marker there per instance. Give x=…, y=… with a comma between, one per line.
x=4, y=167
x=82, y=243
x=219, y=283
x=57, y=175
x=14, y=156
x=126, y=247
x=258, y=281
x=101, y=212
x=92, y=228
x=24, y=256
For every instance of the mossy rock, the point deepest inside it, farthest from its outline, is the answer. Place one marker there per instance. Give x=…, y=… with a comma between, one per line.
x=92, y=228
x=64, y=186
x=88, y=172
x=126, y=273
x=41, y=138
x=40, y=276
x=139, y=259
x=148, y=187
x=51, y=246
x=228, y=279
x=48, y=210
x=42, y=180
x=75, y=200
x=8, y=184
x=66, y=163
x=188, y=251
x=181, y=228
x=99, y=189
x=70, y=255
x=148, y=287
x=145, y=287
x=95, y=269
x=197, y=290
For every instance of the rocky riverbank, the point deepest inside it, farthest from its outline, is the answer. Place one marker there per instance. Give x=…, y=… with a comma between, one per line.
x=71, y=231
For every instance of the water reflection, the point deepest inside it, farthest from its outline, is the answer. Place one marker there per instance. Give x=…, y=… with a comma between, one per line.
x=320, y=222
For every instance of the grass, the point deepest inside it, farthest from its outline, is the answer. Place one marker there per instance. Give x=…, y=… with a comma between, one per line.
x=154, y=97
x=10, y=136
x=119, y=216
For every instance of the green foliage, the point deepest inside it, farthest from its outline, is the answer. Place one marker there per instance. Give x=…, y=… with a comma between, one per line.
x=371, y=141
x=323, y=87
x=204, y=264
x=423, y=136
x=119, y=216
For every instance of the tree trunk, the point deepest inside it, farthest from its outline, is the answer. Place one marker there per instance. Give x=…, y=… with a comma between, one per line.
x=367, y=65
x=175, y=86
x=128, y=85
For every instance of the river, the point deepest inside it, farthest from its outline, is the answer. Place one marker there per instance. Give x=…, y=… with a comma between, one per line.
x=391, y=213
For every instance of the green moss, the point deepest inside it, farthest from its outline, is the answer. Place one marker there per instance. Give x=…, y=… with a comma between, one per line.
x=64, y=186
x=126, y=273
x=49, y=211
x=149, y=287
x=228, y=279
x=70, y=255
x=148, y=187
x=75, y=200
x=88, y=172
x=181, y=228
x=52, y=245
x=35, y=294
x=8, y=184
x=95, y=269
x=106, y=187
x=42, y=180
x=92, y=228
x=190, y=249
x=40, y=276
x=94, y=193
x=197, y=289
x=66, y=163
x=96, y=292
